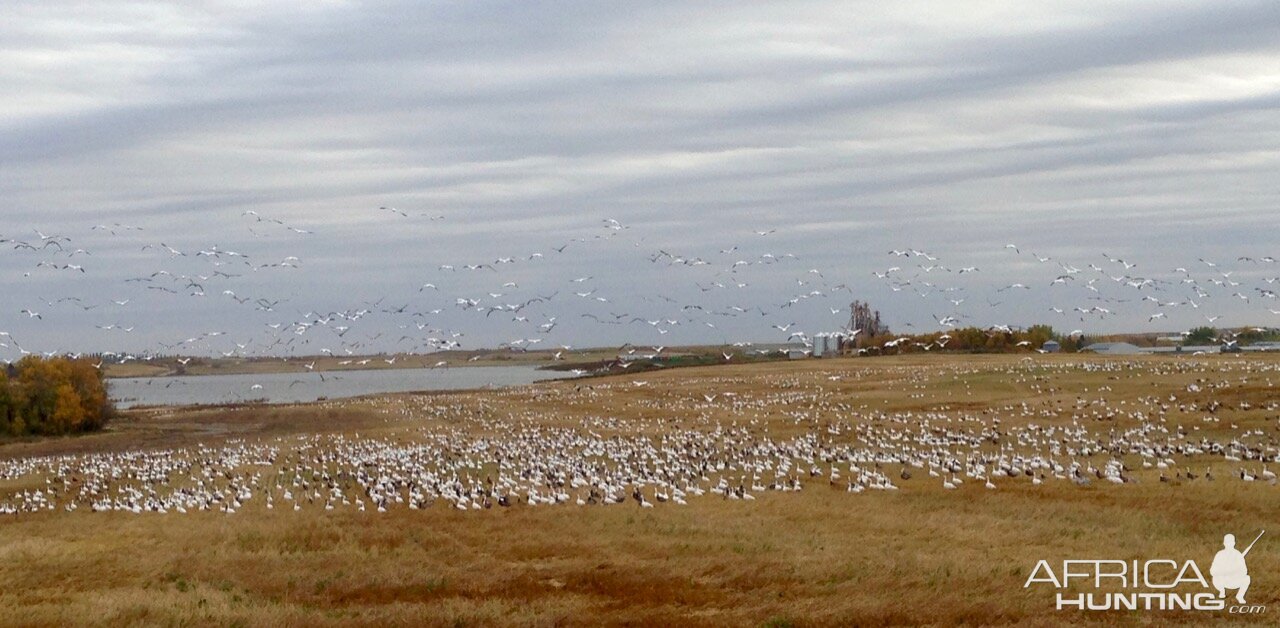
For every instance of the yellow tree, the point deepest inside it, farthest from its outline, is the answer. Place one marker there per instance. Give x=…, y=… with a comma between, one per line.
x=68, y=415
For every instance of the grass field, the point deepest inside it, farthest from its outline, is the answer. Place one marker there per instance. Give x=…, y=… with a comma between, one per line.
x=920, y=554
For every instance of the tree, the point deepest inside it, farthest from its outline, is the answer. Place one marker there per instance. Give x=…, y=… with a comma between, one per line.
x=971, y=340
x=1038, y=335
x=68, y=414
x=1202, y=335
x=53, y=396
x=7, y=407
x=1256, y=334
x=1073, y=343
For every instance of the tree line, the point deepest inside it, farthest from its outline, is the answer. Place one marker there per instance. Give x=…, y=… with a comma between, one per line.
x=972, y=340
x=49, y=396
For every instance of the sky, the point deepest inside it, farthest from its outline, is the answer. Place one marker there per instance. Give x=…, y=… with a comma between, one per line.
x=246, y=178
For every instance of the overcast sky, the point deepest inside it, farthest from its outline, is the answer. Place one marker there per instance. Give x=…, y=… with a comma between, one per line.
x=1083, y=132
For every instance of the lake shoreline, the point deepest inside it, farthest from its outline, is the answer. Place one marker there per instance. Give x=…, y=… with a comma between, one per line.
x=271, y=389
x=559, y=360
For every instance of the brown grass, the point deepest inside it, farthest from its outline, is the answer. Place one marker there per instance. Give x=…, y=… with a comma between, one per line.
x=820, y=557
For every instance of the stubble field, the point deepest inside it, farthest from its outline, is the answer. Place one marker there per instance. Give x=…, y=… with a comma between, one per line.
x=1088, y=457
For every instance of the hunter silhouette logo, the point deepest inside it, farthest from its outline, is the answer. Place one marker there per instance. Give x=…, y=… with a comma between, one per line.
x=1156, y=584
x=1229, y=570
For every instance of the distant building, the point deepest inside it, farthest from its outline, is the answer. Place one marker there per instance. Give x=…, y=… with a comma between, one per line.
x=1124, y=348
x=1184, y=349
x=1051, y=346
x=1113, y=348
x=798, y=353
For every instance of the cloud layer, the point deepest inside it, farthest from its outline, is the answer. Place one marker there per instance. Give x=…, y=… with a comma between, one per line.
x=508, y=129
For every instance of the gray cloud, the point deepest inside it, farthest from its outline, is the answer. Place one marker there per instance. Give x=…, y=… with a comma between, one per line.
x=1071, y=130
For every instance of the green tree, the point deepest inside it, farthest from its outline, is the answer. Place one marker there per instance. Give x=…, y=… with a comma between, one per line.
x=6, y=402
x=1038, y=335
x=1202, y=335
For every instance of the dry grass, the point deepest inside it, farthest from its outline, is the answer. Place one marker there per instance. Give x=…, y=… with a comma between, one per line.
x=921, y=555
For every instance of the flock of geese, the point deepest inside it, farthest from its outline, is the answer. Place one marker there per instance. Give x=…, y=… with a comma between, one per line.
x=628, y=441
x=114, y=277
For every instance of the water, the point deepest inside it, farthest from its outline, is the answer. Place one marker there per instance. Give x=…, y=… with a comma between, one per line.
x=302, y=387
